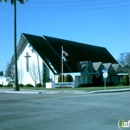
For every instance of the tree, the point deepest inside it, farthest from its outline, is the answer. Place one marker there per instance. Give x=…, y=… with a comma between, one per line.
x=125, y=80
x=11, y=73
x=124, y=61
x=13, y=2
x=1, y=73
x=33, y=51
x=33, y=70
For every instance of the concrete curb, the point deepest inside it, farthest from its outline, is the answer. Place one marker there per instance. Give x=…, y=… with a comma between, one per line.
x=19, y=92
x=111, y=91
x=31, y=92
x=62, y=91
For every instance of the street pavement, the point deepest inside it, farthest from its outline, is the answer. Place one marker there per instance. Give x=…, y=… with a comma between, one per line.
x=63, y=111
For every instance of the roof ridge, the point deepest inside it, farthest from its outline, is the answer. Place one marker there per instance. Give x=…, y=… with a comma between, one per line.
x=74, y=41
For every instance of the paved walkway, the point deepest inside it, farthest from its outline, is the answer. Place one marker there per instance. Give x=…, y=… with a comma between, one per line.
x=30, y=91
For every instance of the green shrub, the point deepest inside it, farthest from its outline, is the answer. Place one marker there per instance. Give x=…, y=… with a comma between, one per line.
x=47, y=79
x=38, y=85
x=120, y=84
x=10, y=85
x=29, y=85
x=68, y=78
x=125, y=80
x=1, y=85
x=11, y=82
x=80, y=85
x=60, y=78
x=85, y=85
x=21, y=85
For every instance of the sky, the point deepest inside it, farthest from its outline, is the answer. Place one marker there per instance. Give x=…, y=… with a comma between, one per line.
x=104, y=23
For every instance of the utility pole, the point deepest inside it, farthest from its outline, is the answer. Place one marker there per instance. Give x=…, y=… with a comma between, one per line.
x=62, y=63
x=15, y=48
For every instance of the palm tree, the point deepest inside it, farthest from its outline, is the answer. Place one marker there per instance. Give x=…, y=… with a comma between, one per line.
x=13, y=2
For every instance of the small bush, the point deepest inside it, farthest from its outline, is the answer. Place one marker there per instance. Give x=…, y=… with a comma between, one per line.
x=1, y=85
x=29, y=85
x=60, y=78
x=21, y=85
x=38, y=85
x=10, y=85
x=11, y=82
x=68, y=78
x=125, y=80
x=47, y=80
x=85, y=85
x=80, y=85
x=120, y=84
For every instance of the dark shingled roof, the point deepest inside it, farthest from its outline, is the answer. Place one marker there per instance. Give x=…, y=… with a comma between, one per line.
x=49, y=48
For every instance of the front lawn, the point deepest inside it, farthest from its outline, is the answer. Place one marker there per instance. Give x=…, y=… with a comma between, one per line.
x=81, y=88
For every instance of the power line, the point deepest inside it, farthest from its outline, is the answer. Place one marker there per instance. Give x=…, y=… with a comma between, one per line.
x=122, y=1
x=59, y=2
x=83, y=9
x=71, y=7
x=78, y=1
x=85, y=5
x=81, y=1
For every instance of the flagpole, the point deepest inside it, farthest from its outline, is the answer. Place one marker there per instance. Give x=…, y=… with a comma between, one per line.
x=62, y=63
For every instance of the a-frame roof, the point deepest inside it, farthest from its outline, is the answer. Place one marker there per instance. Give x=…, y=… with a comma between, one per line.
x=49, y=48
x=96, y=65
x=85, y=66
x=107, y=65
x=117, y=67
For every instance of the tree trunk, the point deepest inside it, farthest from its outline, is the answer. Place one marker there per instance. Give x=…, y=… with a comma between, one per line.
x=15, y=49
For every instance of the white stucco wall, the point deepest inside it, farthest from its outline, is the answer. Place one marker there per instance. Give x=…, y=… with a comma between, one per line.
x=23, y=74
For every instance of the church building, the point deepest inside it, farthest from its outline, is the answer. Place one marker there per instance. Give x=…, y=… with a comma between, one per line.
x=39, y=59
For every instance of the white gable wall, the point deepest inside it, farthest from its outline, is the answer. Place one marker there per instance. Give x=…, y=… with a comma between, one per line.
x=23, y=74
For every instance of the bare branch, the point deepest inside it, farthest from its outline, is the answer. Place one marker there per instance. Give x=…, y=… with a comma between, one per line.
x=124, y=61
x=34, y=73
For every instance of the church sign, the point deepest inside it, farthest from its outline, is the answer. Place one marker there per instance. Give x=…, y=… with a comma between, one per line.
x=63, y=84
x=60, y=85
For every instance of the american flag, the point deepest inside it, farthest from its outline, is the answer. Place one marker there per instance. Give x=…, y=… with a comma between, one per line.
x=64, y=58
x=64, y=52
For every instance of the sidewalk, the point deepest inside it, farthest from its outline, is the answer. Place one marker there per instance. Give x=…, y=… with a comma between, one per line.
x=30, y=91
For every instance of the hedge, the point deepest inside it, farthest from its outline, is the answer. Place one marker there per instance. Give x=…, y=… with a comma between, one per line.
x=60, y=78
x=29, y=85
x=38, y=85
